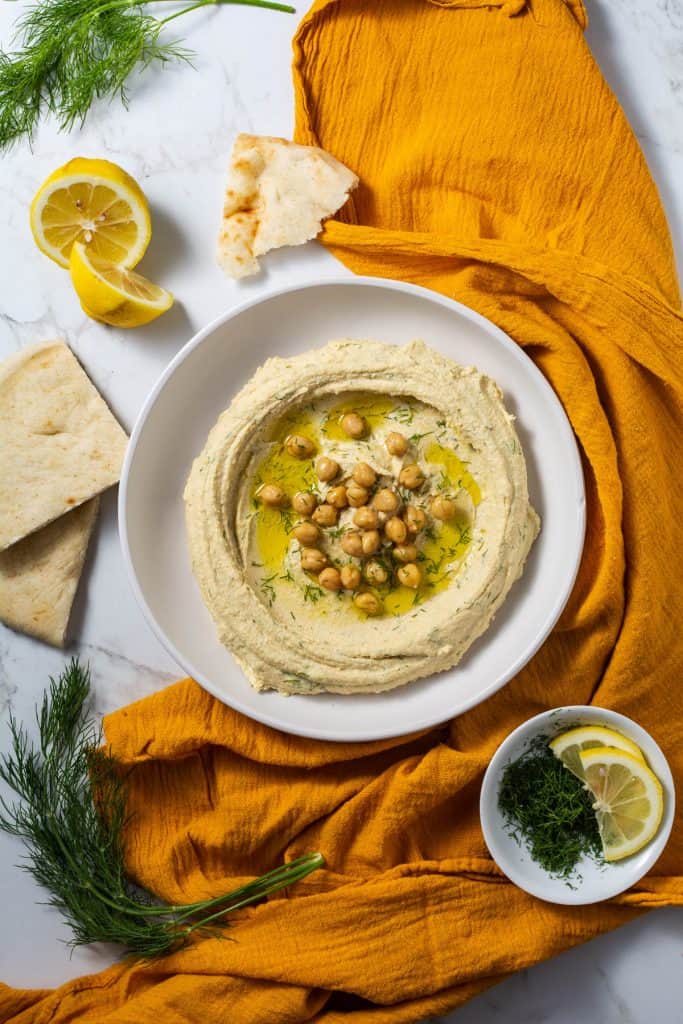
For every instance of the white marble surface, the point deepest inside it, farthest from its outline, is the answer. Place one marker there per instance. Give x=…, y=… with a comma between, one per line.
x=175, y=141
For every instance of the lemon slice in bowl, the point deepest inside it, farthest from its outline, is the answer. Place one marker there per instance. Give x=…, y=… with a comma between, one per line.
x=96, y=203
x=628, y=800
x=114, y=295
x=569, y=745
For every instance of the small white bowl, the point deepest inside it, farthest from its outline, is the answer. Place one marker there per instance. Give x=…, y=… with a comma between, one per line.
x=593, y=882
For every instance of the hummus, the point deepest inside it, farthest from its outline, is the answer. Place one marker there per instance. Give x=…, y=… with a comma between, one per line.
x=435, y=440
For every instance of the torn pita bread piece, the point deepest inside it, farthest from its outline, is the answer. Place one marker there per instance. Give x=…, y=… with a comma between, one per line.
x=59, y=443
x=39, y=575
x=278, y=193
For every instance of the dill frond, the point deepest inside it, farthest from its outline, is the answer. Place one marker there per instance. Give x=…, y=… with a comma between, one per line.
x=70, y=811
x=71, y=53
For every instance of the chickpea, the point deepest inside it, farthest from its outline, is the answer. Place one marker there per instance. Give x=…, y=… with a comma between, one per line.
x=396, y=444
x=325, y=515
x=354, y=425
x=415, y=519
x=411, y=477
x=352, y=544
x=307, y=533
x=304, y=503
x=330, y=579
x=366, y=517
x=443, y=508
x=405, y=552
x=313, y=560
x=368, y=603
x=357, y=495
x=396, y=530
x=410, y=575
x=337, y=497
x=299, y=446
x=350, y=577
x=386, y=500
x=272, y=495
x=364, y=474
x=326, y=468
x=370, y=541
x=375, y=573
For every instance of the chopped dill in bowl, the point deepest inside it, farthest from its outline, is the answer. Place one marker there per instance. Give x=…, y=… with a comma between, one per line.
x=550, y=810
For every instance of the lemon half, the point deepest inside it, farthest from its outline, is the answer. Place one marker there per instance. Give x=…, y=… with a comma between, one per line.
x=114, y=295
x=569, y=745
x=96, y=203
x=628, y=800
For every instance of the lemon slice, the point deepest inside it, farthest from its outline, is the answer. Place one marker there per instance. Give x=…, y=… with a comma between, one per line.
x=114, y=295
x=628, y=799
x=93, y=202
x=568, y=745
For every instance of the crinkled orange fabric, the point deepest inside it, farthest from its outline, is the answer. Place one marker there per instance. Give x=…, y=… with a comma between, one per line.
x=496, y=167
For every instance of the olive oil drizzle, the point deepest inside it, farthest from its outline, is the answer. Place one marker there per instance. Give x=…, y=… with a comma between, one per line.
x=441, y=547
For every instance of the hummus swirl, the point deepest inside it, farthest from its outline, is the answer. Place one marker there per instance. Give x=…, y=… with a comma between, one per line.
x=287, y=632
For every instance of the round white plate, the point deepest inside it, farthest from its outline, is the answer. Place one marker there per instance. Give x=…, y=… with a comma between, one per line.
x=594, y=882
x=201, y=381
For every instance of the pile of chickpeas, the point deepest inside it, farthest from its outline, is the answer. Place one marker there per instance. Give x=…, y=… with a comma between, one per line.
x=378, y=517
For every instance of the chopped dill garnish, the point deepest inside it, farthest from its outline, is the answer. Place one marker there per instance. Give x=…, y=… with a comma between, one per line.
x=401, y=414
x=335, y=532
x=266, y=585
x=287, y=517
x=550, y=810
x=312, y=593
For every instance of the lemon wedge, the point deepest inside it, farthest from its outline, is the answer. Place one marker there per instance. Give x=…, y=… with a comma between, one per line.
x=628, y=800
x=96, y=203
x=114, y=295
x=568, y=745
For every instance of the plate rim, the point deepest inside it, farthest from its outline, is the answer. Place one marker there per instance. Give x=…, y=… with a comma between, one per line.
x=265, y=718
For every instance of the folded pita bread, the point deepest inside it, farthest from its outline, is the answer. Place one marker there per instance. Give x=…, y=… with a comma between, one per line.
x=59, y=443
x=278, y=193
x=39, y=575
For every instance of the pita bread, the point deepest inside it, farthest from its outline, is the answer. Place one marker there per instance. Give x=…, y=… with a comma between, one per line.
x=59, y=443
x=278, y=193
x=40, y=574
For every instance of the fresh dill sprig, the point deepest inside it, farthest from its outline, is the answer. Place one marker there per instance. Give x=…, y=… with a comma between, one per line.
x=71, y=814
x=71, y=53
x=547, y=807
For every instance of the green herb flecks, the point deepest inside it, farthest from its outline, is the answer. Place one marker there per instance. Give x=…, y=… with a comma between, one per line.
x=70, y=811
x=548, y=808
x=267, y=589
x=73, y=52
x=312, y=593
x=288, y=519
x=402, y=414
x=335, y=532
x=416, y=438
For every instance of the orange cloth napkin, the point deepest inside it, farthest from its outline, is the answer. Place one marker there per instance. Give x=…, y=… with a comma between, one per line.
x=496, y=167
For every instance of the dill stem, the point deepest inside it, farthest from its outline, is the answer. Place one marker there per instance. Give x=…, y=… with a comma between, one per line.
x=268, y=4
x=279, y=878
x=186, y=10
x=117, y=4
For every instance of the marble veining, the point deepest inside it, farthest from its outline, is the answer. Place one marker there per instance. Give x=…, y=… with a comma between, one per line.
x=175, y=140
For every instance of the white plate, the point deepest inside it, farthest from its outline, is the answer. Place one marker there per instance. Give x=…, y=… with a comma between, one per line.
x=596, y=882
x=201, y=381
